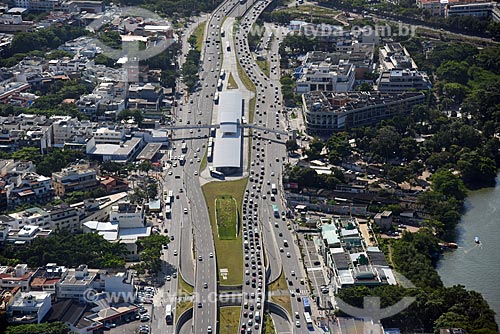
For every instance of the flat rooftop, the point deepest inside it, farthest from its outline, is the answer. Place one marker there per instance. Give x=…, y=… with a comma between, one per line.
x=114, y=149
x=227, y=150
x=331, y=102
x=149, y=151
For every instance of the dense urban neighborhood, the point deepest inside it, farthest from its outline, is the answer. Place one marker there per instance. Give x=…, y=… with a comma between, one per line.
x=249, y=166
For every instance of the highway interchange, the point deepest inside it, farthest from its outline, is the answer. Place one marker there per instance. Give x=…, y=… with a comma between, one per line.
x=191, y=249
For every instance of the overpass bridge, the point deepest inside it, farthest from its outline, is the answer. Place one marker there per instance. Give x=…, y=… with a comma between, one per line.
x=216, y=126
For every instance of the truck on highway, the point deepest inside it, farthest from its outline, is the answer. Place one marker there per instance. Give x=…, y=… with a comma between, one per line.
x=184, y=148
x=222, y=32
x=228, y=46
x=168, y=314
x=182, y=159
x=274, y=190
x=168, y=211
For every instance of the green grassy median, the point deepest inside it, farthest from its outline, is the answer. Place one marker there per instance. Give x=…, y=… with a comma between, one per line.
x=229, y=252
x=229, y=319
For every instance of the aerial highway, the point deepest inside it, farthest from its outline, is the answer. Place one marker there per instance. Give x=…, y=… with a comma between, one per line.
x=189, y=136
x=269, y=113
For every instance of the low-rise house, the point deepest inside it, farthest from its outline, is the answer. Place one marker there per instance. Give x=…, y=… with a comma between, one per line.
x=384, y=220
x=46, y=278
x=29, y=307
x=18, y=276
x=25, y=235
x=114, y=184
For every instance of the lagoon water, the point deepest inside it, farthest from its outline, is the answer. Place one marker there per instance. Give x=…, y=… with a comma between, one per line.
x=477, y=267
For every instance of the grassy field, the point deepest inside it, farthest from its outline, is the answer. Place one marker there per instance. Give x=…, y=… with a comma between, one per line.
x=229, y=319
x=229, y=252
x=231, y=83
x=268, y=324
x=183, y=289
x=227, y=216
x=283, y=301
x=181, y=307
x=199, y=32
x=264, y=66
x=279, y=284
x=310, y=10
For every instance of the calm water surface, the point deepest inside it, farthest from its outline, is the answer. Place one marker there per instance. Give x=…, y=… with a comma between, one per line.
x=477, y=266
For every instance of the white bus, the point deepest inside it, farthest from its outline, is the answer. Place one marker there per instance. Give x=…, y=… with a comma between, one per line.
x=308, y=319
x=217, y=174
x=171, y=193
x=168, y=314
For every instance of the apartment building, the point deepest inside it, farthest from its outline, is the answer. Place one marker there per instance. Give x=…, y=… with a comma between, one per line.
x=109, y=135
x=19, y=184
x=27, y=188
x=76, y=282
x=358, y=54
x=349, y=261
x=128, y=215
x=77, y=177
x=146, y=97
x=395, y=56
x=38, y=5
x=25, y=130
x=403, y=80
x=325, y=76
x=67, y=64
x=481, y=10
x=66, y=129
x=327, y=112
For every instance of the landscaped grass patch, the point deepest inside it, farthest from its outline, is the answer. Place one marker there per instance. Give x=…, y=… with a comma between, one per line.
x=227, y=217
x=231, y=83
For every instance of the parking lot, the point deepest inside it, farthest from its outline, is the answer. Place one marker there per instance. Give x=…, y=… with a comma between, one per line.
x=138, y=323
x=314, y=266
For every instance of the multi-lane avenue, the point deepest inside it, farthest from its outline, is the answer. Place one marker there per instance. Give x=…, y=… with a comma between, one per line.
x=192, y=247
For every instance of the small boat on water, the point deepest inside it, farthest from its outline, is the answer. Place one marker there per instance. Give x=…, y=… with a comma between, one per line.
x=476, y=240
x=451, y=245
